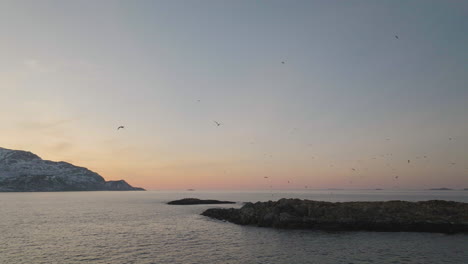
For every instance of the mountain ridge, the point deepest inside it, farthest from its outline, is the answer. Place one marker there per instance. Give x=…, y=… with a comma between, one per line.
x=24, y=171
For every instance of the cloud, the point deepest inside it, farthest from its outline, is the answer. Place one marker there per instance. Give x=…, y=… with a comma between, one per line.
x=33, y=64
x=38, y=66
x=62, y=147
x=45, y=124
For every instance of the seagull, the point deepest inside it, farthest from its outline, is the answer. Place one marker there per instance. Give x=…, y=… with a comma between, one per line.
x=120, y=127
x=217, y=123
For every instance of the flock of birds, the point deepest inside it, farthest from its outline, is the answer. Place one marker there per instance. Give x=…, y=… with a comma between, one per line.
x=396, y=177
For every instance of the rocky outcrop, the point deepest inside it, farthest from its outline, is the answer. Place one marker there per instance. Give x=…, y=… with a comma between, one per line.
x=22, y=171
x=191, y=201
x=121, y=186
x=427, y=216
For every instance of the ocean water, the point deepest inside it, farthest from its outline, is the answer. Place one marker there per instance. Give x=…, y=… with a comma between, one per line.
x=138, y=227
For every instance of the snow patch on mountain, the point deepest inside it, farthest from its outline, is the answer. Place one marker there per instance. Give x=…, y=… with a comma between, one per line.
x=25, y=171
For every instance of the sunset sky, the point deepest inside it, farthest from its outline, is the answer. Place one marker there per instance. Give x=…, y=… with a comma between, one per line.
x=350, y=95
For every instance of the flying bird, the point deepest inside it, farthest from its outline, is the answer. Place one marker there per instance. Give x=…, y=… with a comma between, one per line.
x=282, y=62
x=217, y=123
x=265, y=177
x=120, y=127
x=396, y=37
x=396, y=177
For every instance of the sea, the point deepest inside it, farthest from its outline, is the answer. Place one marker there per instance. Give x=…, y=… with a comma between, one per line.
x=139, y=227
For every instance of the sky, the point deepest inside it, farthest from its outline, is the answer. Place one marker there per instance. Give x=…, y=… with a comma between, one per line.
x=350, y=105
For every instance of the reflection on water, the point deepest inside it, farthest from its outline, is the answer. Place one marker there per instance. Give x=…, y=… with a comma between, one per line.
x=138, y=227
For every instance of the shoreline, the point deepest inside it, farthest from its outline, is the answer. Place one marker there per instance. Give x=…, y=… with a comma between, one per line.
x=391, y=216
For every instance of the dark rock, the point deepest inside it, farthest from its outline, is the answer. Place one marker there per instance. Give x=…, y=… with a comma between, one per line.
x=121, y=186
x=427, y=216
x=191, y=201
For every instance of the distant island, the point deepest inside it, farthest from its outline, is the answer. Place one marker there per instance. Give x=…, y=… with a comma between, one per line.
x=23, y=171
x=440, y=189
x=427, y=216
x=192, y=201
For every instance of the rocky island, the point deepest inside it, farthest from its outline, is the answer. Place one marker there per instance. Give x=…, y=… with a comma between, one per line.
x=428, y=216
x=23, y=171
x=191, y=201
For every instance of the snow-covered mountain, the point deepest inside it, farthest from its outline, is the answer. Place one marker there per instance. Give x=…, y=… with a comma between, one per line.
x=23, y=171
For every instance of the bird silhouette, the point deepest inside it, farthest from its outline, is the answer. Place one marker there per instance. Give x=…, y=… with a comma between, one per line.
x=396, y=37
x=120, y=127
x=217, y=123
x=282, y=62
x=409, y=161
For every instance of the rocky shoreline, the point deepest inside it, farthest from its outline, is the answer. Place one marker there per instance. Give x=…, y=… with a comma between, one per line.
x=191, y=201
x=392, y=216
